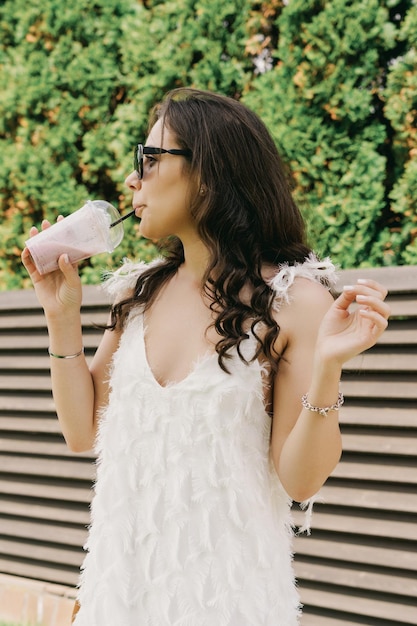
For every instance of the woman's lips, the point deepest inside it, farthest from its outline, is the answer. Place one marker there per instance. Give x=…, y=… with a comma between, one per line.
x=139, y=210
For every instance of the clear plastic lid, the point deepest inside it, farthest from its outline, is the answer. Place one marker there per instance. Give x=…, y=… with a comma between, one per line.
x=110, y=214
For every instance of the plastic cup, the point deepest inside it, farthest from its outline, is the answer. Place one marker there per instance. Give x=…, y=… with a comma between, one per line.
x=82, y=234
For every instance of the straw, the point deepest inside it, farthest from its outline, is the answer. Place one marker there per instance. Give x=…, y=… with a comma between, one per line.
x=124, y=217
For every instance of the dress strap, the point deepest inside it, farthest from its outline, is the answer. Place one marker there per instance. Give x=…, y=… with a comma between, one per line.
x=124, y=279
x=320, y=271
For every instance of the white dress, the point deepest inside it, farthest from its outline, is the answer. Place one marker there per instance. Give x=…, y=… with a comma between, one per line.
x=190, y=525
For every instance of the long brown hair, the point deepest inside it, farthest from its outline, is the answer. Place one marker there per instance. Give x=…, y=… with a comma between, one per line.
x=246, y=217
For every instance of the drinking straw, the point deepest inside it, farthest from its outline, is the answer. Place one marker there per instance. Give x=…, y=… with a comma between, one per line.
x=124, y=217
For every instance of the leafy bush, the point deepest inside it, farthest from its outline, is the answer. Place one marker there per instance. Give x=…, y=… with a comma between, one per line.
x=336, y=83
x=324, y=104
x=401, y=110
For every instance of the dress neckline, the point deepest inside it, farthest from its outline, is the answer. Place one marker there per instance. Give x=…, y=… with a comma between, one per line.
x=209, y=355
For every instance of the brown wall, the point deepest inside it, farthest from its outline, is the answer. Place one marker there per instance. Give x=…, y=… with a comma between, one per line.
x=359, y=566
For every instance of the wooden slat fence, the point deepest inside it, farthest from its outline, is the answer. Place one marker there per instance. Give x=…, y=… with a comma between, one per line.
x=359, y=566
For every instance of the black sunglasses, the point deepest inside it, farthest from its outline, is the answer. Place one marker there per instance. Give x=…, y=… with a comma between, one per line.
x=141, y=150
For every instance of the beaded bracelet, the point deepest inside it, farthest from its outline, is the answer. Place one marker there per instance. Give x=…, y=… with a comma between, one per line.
x=68, y=356
x=323, y=410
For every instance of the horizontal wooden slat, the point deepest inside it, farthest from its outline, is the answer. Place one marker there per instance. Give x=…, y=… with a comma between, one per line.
x=376, y=472
x=385, y=386
x=381, y=443
x=42, y=553
x=403, y=306
x=312, y=619
x=26, y=300
x=36, y=321
x=43, y=510
x=357, y=553
x=34, y=364
x=401, y=279
x=17, y=423
x=400, y=333
x=38, y=447
x=384, y=416
x=41, y=531
x=391, y=612
x=31, y=383
x=363, y=386
x=393, y=361
x=377, y=498
x=60, y=573
x=360, y=524
x=60, y=491
x=399, y=585
x=31, y=342
x=72, y=469
x=23, y=401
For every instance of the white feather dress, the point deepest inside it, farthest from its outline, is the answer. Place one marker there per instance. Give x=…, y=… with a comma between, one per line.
x=190, y=525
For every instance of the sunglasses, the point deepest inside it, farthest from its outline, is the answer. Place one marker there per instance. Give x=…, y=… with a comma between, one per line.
x=141, y=150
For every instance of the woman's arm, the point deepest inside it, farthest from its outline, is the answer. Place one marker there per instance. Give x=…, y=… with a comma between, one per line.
x=320, y=336
x=78, y=392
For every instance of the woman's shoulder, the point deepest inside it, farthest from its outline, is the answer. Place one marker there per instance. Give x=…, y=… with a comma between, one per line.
x=310, y=276
x=302, y=298
x=121, y=283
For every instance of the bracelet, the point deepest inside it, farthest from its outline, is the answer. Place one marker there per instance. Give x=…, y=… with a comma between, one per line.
x=68, y=356
x=323, y=410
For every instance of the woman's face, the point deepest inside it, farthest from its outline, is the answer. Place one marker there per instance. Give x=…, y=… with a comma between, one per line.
x=162, y=198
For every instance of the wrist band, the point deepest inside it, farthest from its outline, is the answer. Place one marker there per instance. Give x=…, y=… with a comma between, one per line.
x=323, y=410
x=68, y=356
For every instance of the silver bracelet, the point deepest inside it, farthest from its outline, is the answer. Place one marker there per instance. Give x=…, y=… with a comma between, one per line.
x=323, y=410
x=68, y=356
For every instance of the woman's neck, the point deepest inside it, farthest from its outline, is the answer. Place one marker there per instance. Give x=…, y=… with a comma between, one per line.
x=196, y=260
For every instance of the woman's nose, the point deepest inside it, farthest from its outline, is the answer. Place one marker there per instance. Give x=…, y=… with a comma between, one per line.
x=133, y=182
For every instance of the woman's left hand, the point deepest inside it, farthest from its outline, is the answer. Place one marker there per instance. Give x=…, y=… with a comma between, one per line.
x=348, y=330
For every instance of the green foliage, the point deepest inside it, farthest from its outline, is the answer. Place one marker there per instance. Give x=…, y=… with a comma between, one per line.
x=76, y=87
x=59, y=86
x=323, y=103
x=401, y=110
x=335, y=82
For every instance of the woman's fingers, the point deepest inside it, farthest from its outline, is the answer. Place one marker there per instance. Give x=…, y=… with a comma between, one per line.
x=370, y=298
x=68, y=269
x=366, y=288
x=367, y=294
x=379, y=321
x=27, y=260
x=367, y=304
x=372, y=285
x=355, y=321
x=30, y=266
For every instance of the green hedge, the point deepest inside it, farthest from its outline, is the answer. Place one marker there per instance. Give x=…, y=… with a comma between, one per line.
x=335, y=81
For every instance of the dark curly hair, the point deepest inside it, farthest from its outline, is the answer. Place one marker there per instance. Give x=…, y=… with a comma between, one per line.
x=247, y=217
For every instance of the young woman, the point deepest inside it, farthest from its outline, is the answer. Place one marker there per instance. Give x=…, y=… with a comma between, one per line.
x=212, y=399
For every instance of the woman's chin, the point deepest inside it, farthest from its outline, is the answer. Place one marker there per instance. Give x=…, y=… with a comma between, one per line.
x=148, y=233
x=144, y=230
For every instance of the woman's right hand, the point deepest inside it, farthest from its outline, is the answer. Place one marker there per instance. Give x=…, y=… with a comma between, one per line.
x=59, y=292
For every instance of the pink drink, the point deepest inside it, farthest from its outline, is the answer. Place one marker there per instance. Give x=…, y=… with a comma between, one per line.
x=80, y=235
